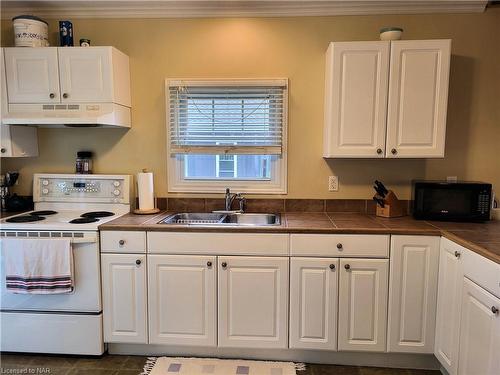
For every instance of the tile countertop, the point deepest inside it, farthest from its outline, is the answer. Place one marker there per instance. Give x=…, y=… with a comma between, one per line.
x=483, y=238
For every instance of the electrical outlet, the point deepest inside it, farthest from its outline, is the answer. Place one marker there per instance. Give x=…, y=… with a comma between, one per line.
x=333, y=183
x=451, y=178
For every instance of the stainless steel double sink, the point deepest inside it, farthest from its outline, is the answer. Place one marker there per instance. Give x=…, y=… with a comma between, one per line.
x=223, y=219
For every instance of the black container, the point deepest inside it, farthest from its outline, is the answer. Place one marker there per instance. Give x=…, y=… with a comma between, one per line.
x=83, y=164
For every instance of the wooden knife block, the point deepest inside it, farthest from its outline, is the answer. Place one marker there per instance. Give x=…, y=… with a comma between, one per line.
x=393, y=207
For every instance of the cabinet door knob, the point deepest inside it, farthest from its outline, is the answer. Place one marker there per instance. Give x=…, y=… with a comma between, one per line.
x=121, y=242
x=394, y=151
x=209, y=264
x=138, y=262
x=347, y=266
x=3, y=150
x=457, y=254
x=494, y=310
x=332, y=266
x=224, y=264
x=52, y=95
x=65, y=95
x=379, y=151
x=339, y=246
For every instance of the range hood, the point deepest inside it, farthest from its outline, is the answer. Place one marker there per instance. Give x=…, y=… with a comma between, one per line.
x=104, y=115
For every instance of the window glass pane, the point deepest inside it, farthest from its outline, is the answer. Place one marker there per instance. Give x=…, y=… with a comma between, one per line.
x=200, y=166
x=213, y=167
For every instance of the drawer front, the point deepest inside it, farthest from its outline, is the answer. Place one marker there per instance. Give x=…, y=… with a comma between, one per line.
x=123, y=242
x=218, y=243
x=341, y=245
x=482, y=271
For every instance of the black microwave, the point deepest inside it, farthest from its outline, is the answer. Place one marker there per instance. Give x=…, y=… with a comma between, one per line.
x=451, y=201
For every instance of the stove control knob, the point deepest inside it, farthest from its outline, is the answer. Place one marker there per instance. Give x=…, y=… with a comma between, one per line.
x=116, y=183
x=45, y=191
x=45, y=182
x=116, y=192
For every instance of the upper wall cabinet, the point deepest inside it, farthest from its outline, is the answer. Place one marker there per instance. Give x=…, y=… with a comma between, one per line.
x=67, y=75
x=57, y=86
x=386, y=99
x=32, y=75
x=356, y=99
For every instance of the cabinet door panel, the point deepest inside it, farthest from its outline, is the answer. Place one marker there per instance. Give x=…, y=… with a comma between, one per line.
x=449, y=305
x=363, y=291
x=413, y=292
x=479, y=332
x=86, y=74
x=253, y=302
x=124, y=298
x=182, y=300
x=356, y=99
x=313, y=303
x=418, y=98
x=32, y=75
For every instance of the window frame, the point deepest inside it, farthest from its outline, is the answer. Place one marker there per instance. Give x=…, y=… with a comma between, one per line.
x=277, y=184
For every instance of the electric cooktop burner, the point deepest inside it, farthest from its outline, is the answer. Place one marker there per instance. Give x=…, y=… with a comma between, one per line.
x=84, y=220
x=97, y=214
x=24, y=219
x=43, y=213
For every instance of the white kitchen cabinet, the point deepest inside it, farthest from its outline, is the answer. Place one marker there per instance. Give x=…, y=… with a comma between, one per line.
x=32, y=75
x=124, y=298
x=67, y=75
x=182, y=300
x=253, y=302
x=413, y=285
x=418, y=98
x=15, y=141
x=386, y=99
x=313, y=303
x=356, y=99
x=479, y=331
x=449, y=305
x=363, y=289
x=18, y=141
x=96, y=74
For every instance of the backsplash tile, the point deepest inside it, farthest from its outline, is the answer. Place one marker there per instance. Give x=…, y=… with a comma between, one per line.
x=304, y=205
x=361, y=206
x=186, y=204
x=346, y=205
x=265, y=205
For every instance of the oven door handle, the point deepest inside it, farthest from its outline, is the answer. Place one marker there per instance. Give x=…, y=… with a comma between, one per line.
x=73, y=240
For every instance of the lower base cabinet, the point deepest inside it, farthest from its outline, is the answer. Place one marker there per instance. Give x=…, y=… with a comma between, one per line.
x=479, y=332
x=413, y=288
x=253, y=302
x=363, y=290
x=182, y=300
x=313, y=303
x=124, y=298
x=448, y=305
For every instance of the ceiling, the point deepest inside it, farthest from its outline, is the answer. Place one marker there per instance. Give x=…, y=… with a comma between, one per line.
x=231, y=8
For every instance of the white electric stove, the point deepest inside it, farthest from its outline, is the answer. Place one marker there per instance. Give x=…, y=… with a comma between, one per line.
x=66, y=206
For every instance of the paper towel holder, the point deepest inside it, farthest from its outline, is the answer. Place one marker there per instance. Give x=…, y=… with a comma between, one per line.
x=146, y=212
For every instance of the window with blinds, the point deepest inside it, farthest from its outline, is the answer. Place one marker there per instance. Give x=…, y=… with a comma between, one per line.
x=240, y=117
x=229, y=133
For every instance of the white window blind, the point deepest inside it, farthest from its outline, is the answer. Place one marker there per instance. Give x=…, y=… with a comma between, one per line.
x=245, y=117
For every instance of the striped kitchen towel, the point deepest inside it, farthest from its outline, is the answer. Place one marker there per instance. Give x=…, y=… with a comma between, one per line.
x=35, y=266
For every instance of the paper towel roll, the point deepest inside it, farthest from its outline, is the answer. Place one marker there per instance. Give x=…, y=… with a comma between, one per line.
x=145, y=191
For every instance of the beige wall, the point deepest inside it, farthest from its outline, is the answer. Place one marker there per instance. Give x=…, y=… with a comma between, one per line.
x=283, y=47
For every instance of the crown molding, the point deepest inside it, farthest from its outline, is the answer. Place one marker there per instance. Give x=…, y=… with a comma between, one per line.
x=231, y=8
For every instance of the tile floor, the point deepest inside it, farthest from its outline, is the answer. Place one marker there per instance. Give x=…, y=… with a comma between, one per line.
x=132, y=365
